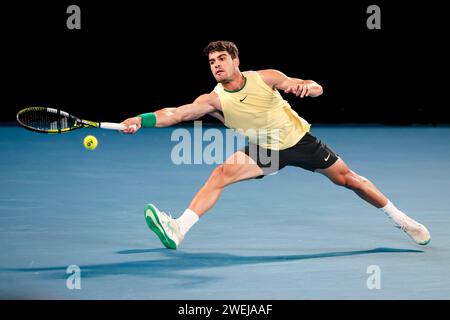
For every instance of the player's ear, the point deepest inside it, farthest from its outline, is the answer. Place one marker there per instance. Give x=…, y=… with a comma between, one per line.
x=236, y=62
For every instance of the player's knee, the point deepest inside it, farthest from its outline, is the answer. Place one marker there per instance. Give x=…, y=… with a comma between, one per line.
x=216, y=174
x=221, y=176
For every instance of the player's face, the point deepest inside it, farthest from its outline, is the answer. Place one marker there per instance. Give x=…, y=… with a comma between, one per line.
x=223, y=67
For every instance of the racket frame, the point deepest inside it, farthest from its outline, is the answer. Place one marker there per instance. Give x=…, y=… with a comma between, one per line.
x=79, y=123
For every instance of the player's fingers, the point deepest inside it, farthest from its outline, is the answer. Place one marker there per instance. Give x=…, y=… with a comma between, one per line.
x=135, y=127
x=307, y=91
x=294, y=89
x=304, y=91
x=126, y=127
x=132, y=129
x=129, y=127
x=299, y=90
x=288, y=90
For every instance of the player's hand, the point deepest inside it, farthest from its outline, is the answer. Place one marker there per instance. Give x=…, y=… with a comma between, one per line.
x=132, y=125
x=299, y=89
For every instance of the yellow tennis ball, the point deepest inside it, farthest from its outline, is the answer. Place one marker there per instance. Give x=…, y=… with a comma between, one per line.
x=90, y=142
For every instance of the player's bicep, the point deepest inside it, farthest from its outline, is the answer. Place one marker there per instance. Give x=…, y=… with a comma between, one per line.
x=194, y=111
x=277, y=79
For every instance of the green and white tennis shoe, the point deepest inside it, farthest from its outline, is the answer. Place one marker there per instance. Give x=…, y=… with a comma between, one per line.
x=165, y=227
x=418, y=232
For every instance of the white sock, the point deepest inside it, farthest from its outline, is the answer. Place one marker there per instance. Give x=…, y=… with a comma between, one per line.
x=187, y=220
x=392, y=212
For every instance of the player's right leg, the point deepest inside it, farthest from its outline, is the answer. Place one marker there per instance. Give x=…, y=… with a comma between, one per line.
x=236, y=168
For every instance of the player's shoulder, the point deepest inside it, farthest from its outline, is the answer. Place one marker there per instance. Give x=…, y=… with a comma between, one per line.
x=252, y=73
x=248, y=72
x=271, y=77
x=268, y=72
x=218, y=89
x=265, y=74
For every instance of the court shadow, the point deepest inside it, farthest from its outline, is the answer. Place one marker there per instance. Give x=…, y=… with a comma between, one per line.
x=175, y=264
x=133, y=251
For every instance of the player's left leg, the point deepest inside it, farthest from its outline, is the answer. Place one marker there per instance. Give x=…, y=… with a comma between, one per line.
x=340, y=174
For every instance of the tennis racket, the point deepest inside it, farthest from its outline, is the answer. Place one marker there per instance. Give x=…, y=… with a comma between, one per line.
x=49, y=120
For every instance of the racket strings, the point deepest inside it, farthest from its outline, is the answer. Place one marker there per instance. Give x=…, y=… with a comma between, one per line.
x=43, y=120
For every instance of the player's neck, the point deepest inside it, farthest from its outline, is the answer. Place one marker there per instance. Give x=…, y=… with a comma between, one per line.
x=235, y=84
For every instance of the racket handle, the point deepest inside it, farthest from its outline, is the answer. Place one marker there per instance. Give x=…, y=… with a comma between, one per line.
x=114, y=126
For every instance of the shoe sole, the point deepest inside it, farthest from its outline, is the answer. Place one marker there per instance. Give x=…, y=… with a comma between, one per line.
x=152, y=220
x=425, y=243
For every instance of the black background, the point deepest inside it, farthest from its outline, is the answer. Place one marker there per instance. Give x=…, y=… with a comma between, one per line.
x=131, y=57
x=282, y=309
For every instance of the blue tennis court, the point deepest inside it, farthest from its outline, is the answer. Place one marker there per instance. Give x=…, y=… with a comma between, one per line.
x=293, y=235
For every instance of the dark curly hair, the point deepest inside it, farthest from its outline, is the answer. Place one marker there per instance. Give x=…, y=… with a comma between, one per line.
x=227, y=46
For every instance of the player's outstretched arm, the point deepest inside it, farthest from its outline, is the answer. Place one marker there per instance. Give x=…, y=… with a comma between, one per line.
x=170, y=116
x=301, y=88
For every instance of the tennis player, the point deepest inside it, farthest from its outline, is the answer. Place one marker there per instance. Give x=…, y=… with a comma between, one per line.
x=251, y=102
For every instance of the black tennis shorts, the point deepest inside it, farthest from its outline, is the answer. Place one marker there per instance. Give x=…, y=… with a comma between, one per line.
x=309, y=153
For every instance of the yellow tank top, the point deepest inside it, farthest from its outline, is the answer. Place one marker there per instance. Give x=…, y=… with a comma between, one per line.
x=261, y=114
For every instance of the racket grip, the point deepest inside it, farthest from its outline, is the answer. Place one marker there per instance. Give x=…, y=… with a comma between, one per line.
x=114, y=126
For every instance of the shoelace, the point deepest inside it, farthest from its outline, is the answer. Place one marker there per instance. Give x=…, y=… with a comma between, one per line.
x=401, y=223
x=166, y=215
x=171, y=228
x=404, y=221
